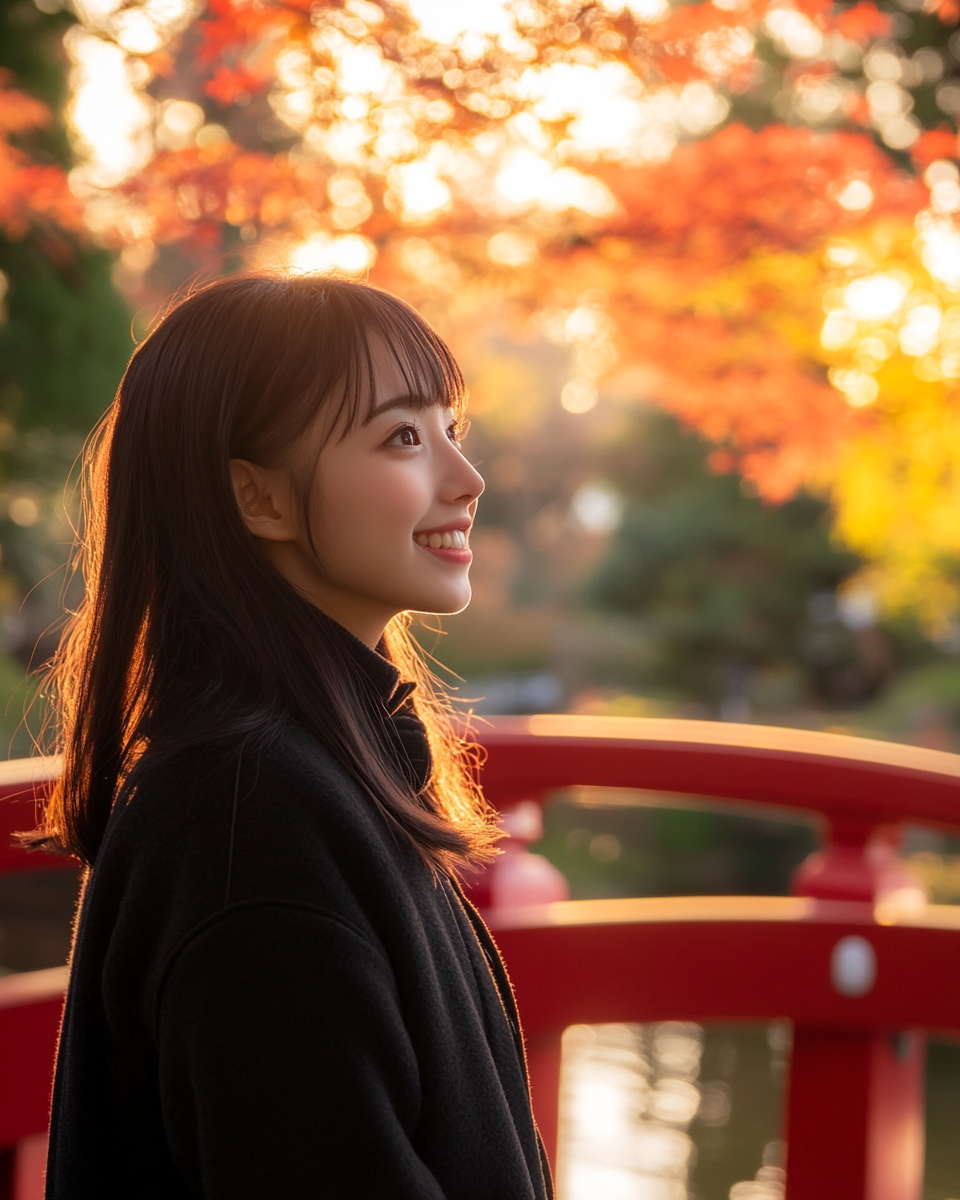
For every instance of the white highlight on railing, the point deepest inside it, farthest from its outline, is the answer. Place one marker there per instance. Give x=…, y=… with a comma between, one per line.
x=853, y=966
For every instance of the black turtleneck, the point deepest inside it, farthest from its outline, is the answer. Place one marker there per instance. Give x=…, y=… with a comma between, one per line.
x=271, y=998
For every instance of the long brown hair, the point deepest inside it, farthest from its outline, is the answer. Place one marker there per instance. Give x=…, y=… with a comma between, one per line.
x=188, y=634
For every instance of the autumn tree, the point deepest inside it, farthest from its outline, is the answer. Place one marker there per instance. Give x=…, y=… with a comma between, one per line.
x=750, y=201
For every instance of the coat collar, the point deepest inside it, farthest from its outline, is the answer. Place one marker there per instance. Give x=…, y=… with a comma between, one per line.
x=403, y=726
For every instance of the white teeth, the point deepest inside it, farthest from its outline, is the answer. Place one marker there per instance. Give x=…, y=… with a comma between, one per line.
x=453, y=539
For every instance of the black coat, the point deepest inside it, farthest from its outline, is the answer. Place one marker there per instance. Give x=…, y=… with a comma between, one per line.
x=271, y=999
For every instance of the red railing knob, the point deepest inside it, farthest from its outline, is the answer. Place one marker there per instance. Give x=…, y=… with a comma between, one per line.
x=519, y=878
x=860, y=861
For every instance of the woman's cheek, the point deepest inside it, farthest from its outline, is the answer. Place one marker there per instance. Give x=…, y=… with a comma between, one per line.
x=405, y=495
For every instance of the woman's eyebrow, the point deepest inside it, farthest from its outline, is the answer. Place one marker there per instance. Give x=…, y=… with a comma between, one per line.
x=408, y=401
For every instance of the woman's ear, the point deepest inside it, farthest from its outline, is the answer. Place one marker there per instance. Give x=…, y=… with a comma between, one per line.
x=264, y=500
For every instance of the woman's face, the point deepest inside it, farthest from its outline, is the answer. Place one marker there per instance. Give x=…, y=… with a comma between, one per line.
x=391, y=507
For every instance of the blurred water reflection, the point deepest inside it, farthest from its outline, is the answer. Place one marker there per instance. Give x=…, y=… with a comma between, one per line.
x=672, y=1111
x=627, y=1097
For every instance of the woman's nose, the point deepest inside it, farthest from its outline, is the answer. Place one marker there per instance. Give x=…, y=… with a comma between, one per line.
x=461, y=480
x=474, y=484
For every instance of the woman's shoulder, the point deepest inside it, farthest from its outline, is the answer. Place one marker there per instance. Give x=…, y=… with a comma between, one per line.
x=282, y=785
x=284, y=755
x=217, y=825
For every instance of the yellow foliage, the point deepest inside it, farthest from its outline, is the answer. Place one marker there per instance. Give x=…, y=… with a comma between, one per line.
x=896, y=492
x=896, y=483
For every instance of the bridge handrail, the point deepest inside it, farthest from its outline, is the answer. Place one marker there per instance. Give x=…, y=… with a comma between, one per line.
x=847, y=779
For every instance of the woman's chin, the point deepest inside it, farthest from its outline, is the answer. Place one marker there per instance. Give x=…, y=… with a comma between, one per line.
x=447, y=605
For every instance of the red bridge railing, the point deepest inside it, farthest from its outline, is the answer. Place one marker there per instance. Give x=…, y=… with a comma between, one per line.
x=856, y=959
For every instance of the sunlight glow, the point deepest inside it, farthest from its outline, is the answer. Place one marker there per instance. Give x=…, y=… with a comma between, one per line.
x=603, y=102
x=918, y=333
x=793, y=33
x=610, y=114
x=422, y=192
x=945, y=196
x=362, y=70
x=875, y=297
x=597, y=508
x=446, y=21
x=943, y=180
x=350, y=253
x=180, y=122
x=526, y=179
x=856, y=197
x=579, y=395
x=859, y=388
x=875, y=317
x=643, y=10
x=512, y=249
x=110, y=117
x=940, y=251
x=839, y=330
x=720, y=51
x=841, y=254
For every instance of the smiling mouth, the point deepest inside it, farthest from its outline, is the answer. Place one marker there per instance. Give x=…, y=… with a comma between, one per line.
x=450, y=539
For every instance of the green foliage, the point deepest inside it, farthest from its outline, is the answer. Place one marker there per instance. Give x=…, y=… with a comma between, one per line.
x=66, y=339
x=724, y=581
x=64, y=333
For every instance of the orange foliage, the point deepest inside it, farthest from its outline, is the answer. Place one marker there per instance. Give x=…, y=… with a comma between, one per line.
x=711, y=270
x=779, y=425
x=862, y=22
x=189, y=194
x=230, y=83
x=242, y=36
x=727, y=361
x=29, y=192
x=721, y=198
x=934, y=144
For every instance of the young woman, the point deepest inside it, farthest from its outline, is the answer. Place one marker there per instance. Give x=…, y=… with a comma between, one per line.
x=278, y=989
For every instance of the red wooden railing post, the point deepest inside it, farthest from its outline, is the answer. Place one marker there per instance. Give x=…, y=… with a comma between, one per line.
x=855, y=1099
x=543, y=1063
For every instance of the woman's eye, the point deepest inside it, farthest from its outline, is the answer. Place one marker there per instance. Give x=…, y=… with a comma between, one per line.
x=454, y=434
x=407, y=435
